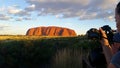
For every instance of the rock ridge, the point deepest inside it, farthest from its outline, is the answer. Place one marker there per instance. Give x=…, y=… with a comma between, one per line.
x=50, y=31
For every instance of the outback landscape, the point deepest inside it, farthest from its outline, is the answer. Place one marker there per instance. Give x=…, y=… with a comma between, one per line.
x=54, y=33
x=34, y=51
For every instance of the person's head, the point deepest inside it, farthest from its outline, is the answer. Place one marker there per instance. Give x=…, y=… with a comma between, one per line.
x=117, y=16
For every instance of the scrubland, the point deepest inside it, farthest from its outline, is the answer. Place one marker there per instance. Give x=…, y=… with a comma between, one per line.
x=18, y=51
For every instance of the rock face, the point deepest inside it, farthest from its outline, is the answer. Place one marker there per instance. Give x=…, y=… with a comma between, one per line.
x=50, y=31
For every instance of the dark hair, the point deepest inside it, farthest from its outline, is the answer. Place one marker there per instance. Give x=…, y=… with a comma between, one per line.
x=118, y=8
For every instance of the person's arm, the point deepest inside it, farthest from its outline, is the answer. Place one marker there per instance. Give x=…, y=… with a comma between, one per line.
x=106, y=47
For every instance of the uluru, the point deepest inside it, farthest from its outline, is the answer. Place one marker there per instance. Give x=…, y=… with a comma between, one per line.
x=50, y=31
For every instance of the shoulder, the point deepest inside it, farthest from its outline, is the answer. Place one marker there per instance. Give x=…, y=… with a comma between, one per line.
x=116, y=60
x=111, y=66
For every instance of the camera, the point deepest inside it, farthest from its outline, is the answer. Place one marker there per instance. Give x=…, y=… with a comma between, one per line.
x=96, y=57
x=93, y=33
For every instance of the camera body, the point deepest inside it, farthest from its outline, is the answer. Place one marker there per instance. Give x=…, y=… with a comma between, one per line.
x=96, y=56
x=93, y=33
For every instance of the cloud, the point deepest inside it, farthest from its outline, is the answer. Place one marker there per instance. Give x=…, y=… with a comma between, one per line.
x=83, y=9
x=4, y=17
x=23, y=13
x=27, y=18
x=13, y=10
x=30, y=8
x=3, y=27
x=17, y=11
x=23, y=18
x=2, y=9
x=19, y=19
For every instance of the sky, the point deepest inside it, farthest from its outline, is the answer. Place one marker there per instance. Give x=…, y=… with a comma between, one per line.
x=17, y=16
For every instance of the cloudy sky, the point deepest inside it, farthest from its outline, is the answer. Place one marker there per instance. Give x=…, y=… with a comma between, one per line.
x=17, y=16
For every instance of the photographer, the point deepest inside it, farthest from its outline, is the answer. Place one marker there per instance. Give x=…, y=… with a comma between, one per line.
x=112, y=52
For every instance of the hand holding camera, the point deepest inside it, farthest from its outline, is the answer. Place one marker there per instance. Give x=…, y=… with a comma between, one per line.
x=104, y=32
x=104, y=40
x=105, y=36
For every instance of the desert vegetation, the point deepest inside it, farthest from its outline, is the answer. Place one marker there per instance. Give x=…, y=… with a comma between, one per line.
x=43, y=52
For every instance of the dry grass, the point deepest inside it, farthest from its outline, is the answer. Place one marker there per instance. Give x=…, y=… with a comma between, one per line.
x=24, y=37
x=68, y=58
